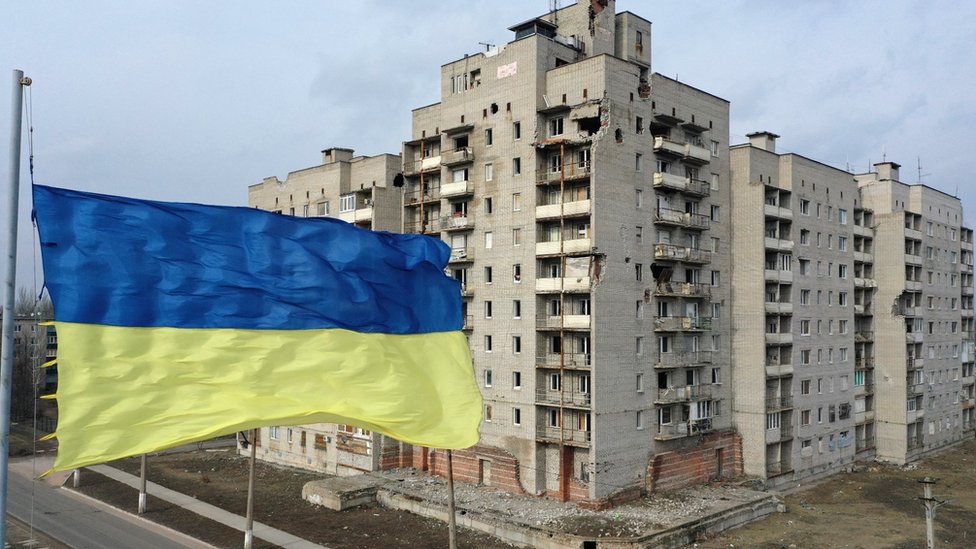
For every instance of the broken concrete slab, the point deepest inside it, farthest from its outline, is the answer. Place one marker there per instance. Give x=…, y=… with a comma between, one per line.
x=340, y=493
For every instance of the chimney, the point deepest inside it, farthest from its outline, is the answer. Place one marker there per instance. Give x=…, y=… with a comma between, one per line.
x=887, y=171
x=336, y=154
x=763, y=140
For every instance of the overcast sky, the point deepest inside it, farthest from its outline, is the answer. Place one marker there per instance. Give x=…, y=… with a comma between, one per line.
x=194, y=101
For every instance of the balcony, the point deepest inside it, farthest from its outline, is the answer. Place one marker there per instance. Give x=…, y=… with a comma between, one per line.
x=774, y=275
x=966, y=313
x=779, y=338
x=572, y=172
x=573, y=361
x=557, y=247
x=863, y=257
x=462, y=255
x=866, y=389
x=914, y=442
x=863, y=336
x=456, y=189
x=415, y=198
x=865, y=282
x=556, y=285
x=913, y=285
x=779, y=403
x=572, y=437
x=913, y=234
x=673, y=395
x=696, y=187
x=457, y=157
x=863, y=417
x=778, y=244
x=775, y=370
x=778, y=468
x=912, y=259
x=912, y=337
x=862, y=308
x=468, y=322
x=431, y=227
x=968, y=403
x=914, y=363
x=967, y=290
x=670, y=252
x=696, y=154
x=688, y=359
x=565, y=209
x=779, y=434
x=771, y=210
x=671, y=431
x=777, y=308
x=682, y=289
x=456, y=223
x=682, y=323
x=424, y=165
x=663, y=145
x=664, y=216
x=861, y=230
x=567, y=322
x=564, y=398
x=864, y=363
x=911, y=311
x=914, y=415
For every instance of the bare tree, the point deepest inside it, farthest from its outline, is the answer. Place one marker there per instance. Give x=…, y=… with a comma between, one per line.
x=30, y=344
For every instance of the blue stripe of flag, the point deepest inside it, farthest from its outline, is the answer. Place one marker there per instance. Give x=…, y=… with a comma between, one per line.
x=125, y=262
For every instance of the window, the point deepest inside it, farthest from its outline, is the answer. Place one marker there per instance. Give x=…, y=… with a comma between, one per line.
x=516, y=237
x=488, y=172
x=516, y=416
x=274, y=432
x=489, y=137
x=488, y=413
x=487, y=275
x=716, y=310
x=517, y=273
x=487, y=343
x=487, y=204
x=842, y=216
x=804, y=266
x=842, y=243
x=487, y=378
x=804, y=237
x=487, y=309
x=805, y=327
x=805, y=418
x=516, y=130
x=640, y=198
x=716, y=277
x=639, y=123
x=516, y=344
x=639, y=268
x=804, y=297
x=347, y=203
x=556, y=126
x=640, y=420
x=713, y=214
x=555, y=382
x=639, y=233
x=842, y=270
x=928, y=228
x=640, y=383
x=805, y=356
x=516, y=308
x=842, y=299
x=772, y=420
x=516, y=380
x=804, y=206
x=516, y=202
x=715, y=146
x=805, y=387
x=516, y=166
x=488, y=240
x=324, y=208
x=638, y=161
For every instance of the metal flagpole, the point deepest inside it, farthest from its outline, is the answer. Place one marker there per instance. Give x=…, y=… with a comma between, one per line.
x=7, y=351
x=142, y=486
x=249, y=528
x=451, y=524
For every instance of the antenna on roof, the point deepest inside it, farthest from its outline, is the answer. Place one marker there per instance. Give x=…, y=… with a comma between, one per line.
x=487, y=45
x=554, y=7
x=920, y=174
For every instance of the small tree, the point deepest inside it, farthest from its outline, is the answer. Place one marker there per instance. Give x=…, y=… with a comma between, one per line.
x=29, y=343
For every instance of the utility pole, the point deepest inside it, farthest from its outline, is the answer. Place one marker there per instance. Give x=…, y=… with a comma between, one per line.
x=7, y=353
x=931, y=504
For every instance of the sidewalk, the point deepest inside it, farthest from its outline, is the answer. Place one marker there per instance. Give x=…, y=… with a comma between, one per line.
x=262, y=531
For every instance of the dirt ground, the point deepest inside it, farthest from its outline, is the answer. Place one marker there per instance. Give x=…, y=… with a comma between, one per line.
x=220, y=478
x=874, y=508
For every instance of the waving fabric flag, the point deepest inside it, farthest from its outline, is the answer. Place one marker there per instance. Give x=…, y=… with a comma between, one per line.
x=181, y=322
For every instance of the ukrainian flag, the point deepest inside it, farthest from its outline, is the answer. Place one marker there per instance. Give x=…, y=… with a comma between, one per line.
x=181, y=322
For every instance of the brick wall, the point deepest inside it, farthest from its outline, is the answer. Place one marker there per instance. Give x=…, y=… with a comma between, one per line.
x=683, y=468
x=471, y=464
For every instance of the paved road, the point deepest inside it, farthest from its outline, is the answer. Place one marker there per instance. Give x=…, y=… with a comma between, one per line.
x=81, y=522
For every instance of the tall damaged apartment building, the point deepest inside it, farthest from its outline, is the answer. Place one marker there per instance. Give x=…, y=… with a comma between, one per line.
x=587, y=204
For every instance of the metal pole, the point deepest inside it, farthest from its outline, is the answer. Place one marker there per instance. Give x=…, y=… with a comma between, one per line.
x=451, y=524
x=7, y=350
x=249, y=528
x=142, y=485
x=929, y=518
